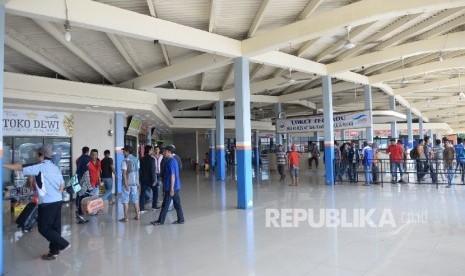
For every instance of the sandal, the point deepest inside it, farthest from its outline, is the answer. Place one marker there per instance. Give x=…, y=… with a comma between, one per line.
x=123, y=220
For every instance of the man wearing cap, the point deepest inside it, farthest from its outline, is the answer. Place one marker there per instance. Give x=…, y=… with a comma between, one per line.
x=130, y=192
x=50, y=200
x=171, y=186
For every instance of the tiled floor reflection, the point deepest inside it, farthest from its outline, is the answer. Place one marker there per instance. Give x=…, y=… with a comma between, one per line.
x=428, y=237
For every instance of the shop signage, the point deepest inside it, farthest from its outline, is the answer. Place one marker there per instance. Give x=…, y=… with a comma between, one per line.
x=134, y=126
x=350, y=120
x=18, y=122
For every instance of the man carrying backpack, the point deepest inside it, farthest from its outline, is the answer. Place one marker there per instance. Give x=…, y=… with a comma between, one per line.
x=460, y=157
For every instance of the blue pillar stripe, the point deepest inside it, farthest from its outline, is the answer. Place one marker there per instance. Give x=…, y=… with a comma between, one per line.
x=119, y=143
x=409, y=128
x=330, y=169
x=212, y=149
x=244, y=175
x=220, y=164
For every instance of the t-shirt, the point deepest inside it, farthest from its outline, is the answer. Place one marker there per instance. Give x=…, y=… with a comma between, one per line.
x=448, y=155
x=459, y=153
x=281, y=158
x=51, y=178
x=293, y=159
x=130, y=166
x=106, y=167
x=396, y=153
x=438, y=152
x=94, y=172
x=171, y=167
x=367, y=156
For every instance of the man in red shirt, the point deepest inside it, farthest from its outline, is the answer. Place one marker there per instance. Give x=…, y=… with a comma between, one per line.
x=293, y=161
x=95, y=169
x=396, y=157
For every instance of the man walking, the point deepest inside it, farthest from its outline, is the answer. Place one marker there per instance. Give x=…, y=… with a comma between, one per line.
x=49, y=217
x=130, y=168
x=281, y=162
x=293, y=158
x=448, y=156
x=172, y=185
x=158, y=157
x=460, y=156
x=147, y=176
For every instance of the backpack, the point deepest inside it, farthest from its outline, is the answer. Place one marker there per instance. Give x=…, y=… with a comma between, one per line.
x=414, y=154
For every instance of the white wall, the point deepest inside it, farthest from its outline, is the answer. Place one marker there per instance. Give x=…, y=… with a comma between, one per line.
x=186, y=147
x=91, y=129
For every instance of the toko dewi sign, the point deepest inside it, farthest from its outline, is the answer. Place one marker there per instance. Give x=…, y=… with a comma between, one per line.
x=359, y=119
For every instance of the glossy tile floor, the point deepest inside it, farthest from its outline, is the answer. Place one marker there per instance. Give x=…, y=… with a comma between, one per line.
x=425, y=233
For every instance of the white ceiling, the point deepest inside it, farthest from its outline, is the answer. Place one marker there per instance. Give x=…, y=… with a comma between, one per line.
x=183, y=51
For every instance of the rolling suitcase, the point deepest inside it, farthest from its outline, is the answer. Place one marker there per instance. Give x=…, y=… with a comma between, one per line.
x=28, y=216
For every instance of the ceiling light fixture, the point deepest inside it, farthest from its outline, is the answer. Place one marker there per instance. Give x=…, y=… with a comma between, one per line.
x=67, y=25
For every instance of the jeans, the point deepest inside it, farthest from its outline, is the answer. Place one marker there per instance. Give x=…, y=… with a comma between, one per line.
x=143, y=193
x=450, y=169
x=165, y=205
x=375, y=171
x=394, y=167
x=352, y=171
x=49, y=224
x=96, y=191
x=155, y=190
x=368, y=174
x=462, y=169
x=108, y=182
x=422, y=167
x=281, y=171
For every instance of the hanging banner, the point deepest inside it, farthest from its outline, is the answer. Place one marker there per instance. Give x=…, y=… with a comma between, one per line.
x=18, y=122
x=352, y=120
x=134, y=126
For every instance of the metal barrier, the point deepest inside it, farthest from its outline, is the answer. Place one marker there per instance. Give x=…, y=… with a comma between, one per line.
x=414, y=172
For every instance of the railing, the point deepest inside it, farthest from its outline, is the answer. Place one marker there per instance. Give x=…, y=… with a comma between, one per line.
x=413, y=171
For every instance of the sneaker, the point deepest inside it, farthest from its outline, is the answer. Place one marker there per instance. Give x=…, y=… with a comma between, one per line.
x=401, y=181
x=393, y=181
x=178, y=222
x=449, y=186
x=49, y=257
x=156, y=208
x=155, y=223
x=366, y=184
x=142, y=212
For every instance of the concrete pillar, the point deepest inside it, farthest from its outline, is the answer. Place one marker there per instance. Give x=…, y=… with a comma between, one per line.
x=343, y=135
x=257, y=148
x=220, y=151
x=211, y=151
x=369, y=107
x=120, y=123
x=409, y=128
x=392, y=105
x=243, y=133
x=328, y=129
x=277, y=109
x=2, y=63
x=420, y=128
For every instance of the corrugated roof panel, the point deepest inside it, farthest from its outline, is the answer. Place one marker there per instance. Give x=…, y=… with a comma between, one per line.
x=25, y=65
x=234, y=18
x=214, y=78
x=193, y=13
x=139, y=6
x=281, y=13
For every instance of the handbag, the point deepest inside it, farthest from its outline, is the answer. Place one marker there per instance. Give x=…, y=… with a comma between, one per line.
x=74, y=183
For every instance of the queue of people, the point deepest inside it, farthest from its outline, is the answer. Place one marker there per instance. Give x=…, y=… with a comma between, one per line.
x=440, y=161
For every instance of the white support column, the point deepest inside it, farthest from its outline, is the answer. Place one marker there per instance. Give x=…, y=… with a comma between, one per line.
x=410, y=128
x=369, y=107
x=328, y=129
x=392, y=105
x=277, y=109
x=420, y=128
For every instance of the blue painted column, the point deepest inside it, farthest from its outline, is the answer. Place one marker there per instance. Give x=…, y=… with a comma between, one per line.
x=257, y=148
x=119, y=144
x=2, y=65
x=328, y=129
x=279, y=137
x=243, y=133
x=220, y=153
x=420, y=128
x=369, y=107
x=392, y=105
x=211, y=151
x=409, y=129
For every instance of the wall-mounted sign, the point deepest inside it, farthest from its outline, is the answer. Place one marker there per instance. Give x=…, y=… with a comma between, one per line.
x=348, y=120
x=134, y=126
x=18, y=122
